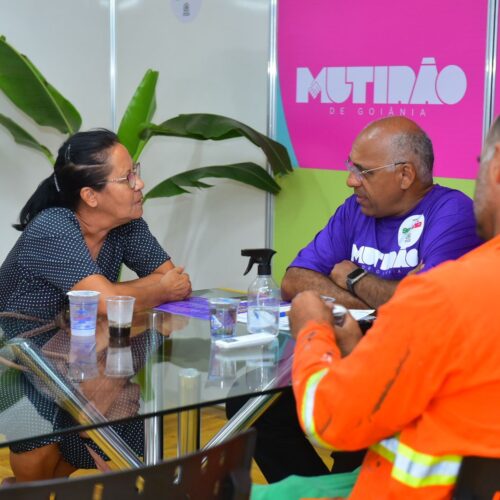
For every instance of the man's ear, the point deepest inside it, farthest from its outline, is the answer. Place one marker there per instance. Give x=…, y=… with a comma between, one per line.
x=408, y=175
x=88, y=196
x=494, y=166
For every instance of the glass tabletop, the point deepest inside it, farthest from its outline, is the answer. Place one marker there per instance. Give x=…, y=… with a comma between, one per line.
x=52, y=383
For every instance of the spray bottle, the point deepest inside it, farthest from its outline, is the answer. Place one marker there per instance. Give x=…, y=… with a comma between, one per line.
x=263, y=294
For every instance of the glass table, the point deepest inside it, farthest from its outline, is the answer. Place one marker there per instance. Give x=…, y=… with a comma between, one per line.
x=177, y=369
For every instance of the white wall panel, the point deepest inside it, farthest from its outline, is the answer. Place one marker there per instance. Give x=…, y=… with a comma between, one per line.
x=217, y=64
x=68, y=42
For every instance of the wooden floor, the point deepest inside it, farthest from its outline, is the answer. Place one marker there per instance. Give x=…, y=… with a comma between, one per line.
x=213, y=418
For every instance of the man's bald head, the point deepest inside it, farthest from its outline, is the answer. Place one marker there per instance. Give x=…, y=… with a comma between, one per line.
x=492, y=138
x=406, y=142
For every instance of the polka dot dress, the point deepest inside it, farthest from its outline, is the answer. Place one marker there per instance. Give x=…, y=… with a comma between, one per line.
x=30, y=409
x=49, y=258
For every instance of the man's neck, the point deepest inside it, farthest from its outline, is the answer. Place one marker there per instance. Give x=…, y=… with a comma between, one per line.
x=413, y=198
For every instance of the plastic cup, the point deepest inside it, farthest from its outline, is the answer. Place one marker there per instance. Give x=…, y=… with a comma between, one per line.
x=221, y=369
x=120, y=310
x=83, y=312
x=119, y=362
x=223, y=314
x=262, y=366
x=82, y=358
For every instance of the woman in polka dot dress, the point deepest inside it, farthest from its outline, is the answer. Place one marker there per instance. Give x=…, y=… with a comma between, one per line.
x=78, y=228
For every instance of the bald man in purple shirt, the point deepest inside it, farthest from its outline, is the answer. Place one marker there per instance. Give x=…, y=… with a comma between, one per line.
x=397, y=222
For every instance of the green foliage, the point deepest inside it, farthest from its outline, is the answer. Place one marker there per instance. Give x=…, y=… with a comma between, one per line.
x=249, y=173
x=26, y=87
x=22, y=137
x=139, y=111
x=217, y=128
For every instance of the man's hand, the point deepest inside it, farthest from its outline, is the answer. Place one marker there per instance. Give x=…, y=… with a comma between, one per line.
x=340, y=271
x=176, y=283
x=308, y=306
x=348, y=335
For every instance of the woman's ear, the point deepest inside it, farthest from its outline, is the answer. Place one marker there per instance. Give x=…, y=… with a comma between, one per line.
x=88, y=196
x=408, y=175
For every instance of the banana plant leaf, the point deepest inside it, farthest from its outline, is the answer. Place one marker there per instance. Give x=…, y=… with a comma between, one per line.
x=204, y=126
x=26, y=87
x=247, y=173
x=22, y=137
x=139, y=111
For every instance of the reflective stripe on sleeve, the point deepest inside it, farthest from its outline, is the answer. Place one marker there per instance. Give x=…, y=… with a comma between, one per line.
x=387, y=448
x=420, y=469
x=307, y=412
x=416, y=469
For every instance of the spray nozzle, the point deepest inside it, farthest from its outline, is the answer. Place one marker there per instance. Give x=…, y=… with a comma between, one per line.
x=260, y=256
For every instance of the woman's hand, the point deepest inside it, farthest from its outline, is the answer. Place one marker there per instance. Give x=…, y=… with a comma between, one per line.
x=166, y=284
x=176, y=283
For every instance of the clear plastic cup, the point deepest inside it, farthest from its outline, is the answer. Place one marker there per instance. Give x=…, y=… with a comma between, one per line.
x=221, y=369
x=262, y=365
x=83, y=312
x=82, y=358
x=119, y=362
x=223, y=316
x=120, y=311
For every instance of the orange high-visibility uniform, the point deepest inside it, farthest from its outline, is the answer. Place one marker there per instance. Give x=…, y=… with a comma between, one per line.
x=421, y=389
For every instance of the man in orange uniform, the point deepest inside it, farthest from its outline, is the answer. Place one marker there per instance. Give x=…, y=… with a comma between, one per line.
x=422, y=388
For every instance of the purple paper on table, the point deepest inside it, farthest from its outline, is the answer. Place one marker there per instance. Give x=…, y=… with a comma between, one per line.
x=194, y=307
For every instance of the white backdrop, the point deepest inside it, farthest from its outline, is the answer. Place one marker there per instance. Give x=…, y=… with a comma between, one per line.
x=216, y=63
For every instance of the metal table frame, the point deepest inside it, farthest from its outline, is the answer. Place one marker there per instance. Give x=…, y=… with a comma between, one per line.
x=121, y=455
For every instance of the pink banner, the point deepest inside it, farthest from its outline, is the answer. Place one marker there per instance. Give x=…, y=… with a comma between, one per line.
x=496, y=103
x=344, y=64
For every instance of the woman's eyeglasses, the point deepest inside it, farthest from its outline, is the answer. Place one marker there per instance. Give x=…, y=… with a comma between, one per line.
x=131, y=177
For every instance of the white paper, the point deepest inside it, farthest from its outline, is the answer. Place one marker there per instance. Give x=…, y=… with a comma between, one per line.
x=357, y=314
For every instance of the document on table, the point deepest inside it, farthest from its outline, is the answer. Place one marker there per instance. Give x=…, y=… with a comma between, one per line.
x=198, y=307
x=284, y=308
x=357, y=314
x=194, y=307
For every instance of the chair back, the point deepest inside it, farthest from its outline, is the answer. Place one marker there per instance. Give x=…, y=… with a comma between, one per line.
x=221, y=472
x=478, y=479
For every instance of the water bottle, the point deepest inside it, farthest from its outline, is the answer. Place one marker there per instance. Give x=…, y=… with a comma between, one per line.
x=264, y=296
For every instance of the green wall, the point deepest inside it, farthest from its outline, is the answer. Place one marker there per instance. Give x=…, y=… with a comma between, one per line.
x=307, y=200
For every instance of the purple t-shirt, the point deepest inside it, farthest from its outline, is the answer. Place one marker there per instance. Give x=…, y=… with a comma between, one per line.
x=441, y=227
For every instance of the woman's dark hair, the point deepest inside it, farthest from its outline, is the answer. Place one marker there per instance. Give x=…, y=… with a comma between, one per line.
x=81, y=162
